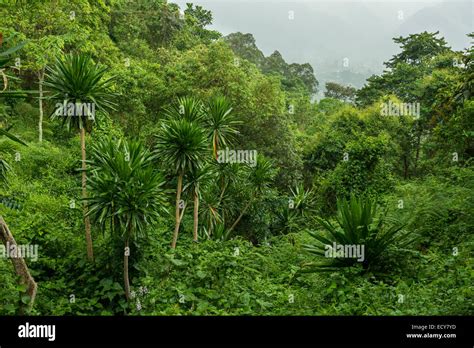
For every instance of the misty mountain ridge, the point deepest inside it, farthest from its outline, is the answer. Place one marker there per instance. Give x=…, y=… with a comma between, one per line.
x=345, y=42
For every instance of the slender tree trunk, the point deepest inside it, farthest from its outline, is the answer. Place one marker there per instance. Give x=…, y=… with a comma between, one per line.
x=221, y=196
x=126, y=279
x=87, y=223
x=40, y=102
x=182, y=212
x=196, y=216
x=241, y=214
x=215, y=145
x=19, y=264
x=178, y=220
x=220, y=203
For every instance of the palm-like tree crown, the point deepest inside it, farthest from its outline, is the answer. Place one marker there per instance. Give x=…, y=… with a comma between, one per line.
x=181, y=145
x=188, y=108
x=124, y=186
x=77, y=79
x=262, y=175
x=221, y=123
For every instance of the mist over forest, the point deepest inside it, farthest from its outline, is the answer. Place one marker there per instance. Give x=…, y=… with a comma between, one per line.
x=324, y=32
x=237, y=158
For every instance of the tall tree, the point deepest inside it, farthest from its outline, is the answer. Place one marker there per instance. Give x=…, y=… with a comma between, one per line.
x=421, y=54
x=196, y=179
x=404, y=69
x=221, y=123
x=126, y=192
x=259, y=179
x=182, y=146
x=81, y=87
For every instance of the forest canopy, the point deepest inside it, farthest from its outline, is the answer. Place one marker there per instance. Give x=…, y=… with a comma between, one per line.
x=162, y=168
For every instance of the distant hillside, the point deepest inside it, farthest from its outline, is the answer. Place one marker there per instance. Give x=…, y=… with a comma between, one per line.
x=324, y=33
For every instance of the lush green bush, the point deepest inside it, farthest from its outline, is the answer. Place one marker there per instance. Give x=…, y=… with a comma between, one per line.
x=360, y=227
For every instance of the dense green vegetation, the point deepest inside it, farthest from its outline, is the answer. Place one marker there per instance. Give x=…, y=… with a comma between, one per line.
x=138, y=207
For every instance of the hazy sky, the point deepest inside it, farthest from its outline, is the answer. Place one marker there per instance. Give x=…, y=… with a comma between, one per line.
x=324, y=33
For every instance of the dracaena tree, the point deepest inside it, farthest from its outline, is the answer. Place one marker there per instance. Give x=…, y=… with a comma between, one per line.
x=126, y=192
x=182, y=146
x=229, y=177
x=80, y=87
x=209, y=209
x=259, y=180
x=221, y=123
x=195, y=180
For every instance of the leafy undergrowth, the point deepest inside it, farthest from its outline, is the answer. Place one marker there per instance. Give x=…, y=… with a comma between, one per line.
x=233, y=277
